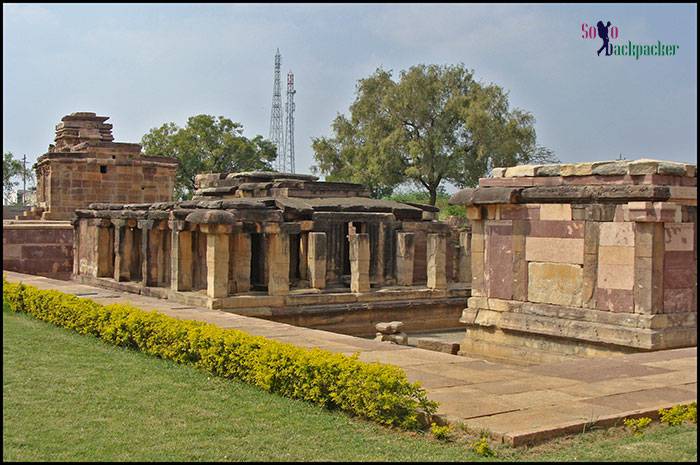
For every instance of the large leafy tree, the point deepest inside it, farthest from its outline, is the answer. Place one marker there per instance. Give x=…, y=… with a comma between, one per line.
x=12, y=170
x=207, y=145
x=435, y=125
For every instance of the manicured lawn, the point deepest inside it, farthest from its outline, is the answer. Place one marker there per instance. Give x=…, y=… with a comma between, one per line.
x=72, y=397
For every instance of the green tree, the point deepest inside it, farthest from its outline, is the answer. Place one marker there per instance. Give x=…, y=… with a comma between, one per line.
x=207, y=145
x=435, y=125
x=12, y=170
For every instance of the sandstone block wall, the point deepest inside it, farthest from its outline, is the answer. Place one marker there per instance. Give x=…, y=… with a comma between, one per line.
x=40, y=248
x=583, y=259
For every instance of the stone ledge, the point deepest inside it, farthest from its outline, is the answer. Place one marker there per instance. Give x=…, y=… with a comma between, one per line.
x=605, y=333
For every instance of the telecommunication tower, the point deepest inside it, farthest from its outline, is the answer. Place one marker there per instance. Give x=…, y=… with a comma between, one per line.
x=289, y=130
x=276, y=116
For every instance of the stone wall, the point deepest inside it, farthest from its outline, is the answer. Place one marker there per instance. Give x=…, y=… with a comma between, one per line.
x=582, y=259
x=42, y=248
x=86, y=166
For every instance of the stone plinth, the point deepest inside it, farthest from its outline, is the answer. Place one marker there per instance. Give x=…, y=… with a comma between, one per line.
x=587, y=255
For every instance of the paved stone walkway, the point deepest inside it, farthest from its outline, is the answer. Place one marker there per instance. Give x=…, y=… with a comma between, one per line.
x=517, y=404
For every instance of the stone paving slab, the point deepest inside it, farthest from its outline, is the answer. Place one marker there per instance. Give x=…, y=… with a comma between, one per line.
x=517, y=404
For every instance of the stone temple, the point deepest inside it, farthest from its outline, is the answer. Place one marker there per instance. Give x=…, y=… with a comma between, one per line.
x=84, y=165
x=281, y=246
x=582, y=259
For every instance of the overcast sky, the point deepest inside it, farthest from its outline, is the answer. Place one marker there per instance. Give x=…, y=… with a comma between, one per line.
x=144, y=65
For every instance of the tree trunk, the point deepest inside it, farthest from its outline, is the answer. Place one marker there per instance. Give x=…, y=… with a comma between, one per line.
x=433, y=195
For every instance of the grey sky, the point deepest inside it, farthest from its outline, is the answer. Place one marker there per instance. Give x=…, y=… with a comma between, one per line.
x=144, y=65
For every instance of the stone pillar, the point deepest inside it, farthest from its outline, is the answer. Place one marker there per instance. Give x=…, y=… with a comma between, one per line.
x=649, y=267
x=180, y=257
x=278, y=260
x=378, y=277
x=240, y=263
x=317, y=259
x=217, y=262
x=76, y=244
x=359, y=262
x=436, y=251
x=477, y=258
x=405, y=255
x=146, y=260
x=464, y=273
x=304, y=256
x=123, y=244
x=103, y=249
x=163, y=260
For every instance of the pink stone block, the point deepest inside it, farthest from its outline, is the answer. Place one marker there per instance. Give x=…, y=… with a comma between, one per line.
x=614, y=233
x=679, y=236
x=615, y=300
x=678, y=300
x=520, y=212
x=563, y=229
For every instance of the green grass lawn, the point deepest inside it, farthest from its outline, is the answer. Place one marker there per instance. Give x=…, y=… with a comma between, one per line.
x=71, y=397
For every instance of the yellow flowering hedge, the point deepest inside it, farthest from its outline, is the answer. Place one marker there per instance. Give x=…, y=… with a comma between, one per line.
x=370, y=390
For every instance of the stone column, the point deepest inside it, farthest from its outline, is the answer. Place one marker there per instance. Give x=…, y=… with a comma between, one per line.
x=278, y=260
x=180, y=257
x=464, y=273
x=123, y=243
x=76, y=244
x=240, y=263
x=359, y=262
x=163, y=265
x=217, y=260
x=304, y=256
x=477, y=257
x=649, y=267
x=317, y=259
x=103, y=249
x=436, y=251
x=146, y=276
x=405, y=255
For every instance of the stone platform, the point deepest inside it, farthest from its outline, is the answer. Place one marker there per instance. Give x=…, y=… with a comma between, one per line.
x=518, y=405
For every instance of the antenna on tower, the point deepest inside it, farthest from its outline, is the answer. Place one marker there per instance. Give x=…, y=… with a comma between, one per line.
x=276, y=115
x=289, y=131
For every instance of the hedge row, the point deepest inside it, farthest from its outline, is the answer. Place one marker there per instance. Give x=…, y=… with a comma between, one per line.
x=370, y=390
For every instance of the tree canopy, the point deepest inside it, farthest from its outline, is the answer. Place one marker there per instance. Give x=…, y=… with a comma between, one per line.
x=207, y=145
x=435, y=125
x=12, y=170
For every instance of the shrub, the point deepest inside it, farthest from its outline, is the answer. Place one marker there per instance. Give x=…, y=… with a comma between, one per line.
x=638, y=425
x=482, y=447
x=678, y=414
x=440, y=432
x=370, y=390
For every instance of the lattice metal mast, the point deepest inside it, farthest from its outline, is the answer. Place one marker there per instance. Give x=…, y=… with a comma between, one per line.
x=276, y=131
x=289, y=130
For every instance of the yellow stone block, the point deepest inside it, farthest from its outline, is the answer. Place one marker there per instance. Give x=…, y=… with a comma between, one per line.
x=555, y=211
x=555, y=283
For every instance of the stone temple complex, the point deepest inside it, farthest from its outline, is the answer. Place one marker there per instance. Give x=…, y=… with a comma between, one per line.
x=84, y=165
x=582, y=259
x=556, y=261
x=281, y=246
